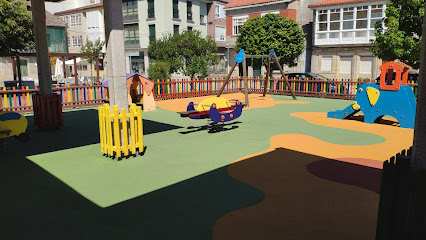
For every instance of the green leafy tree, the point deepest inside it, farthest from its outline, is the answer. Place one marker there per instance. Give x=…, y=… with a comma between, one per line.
x=402, y=36
x=16, y=28
x=92, y=47
x=260, y=34
x=188, y=53
x=159, y=70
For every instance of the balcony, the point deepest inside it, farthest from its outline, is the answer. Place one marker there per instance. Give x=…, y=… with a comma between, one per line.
x=131, y=42
x=151, y=39
x=189, y=16
x=128, y=17
x=175, y=13
x=151, y=13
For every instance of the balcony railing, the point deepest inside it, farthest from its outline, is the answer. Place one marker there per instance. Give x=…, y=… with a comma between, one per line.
x=151, y=13
x=189, y=16
x=130, y=17
x=132, y=42
x=151, y=39
x=175, y=13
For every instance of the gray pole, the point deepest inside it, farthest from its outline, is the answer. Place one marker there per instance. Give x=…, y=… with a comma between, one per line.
x=42, y=50
x=113, y=17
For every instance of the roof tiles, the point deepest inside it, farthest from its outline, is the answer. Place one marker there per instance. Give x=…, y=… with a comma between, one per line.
x=240, y=3
x=338, y=2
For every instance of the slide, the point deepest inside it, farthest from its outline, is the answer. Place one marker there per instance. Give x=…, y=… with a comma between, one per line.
x=345, y=113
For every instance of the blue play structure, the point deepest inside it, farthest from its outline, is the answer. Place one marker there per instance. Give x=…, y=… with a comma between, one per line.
x=392, y=97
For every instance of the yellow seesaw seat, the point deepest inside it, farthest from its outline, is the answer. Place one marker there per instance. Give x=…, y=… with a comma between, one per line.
x=220, y=103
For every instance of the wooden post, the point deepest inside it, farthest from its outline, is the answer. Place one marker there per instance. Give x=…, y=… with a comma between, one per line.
x=268, y=69
x=75, y=71
x=63, y=67
x=97, y=70
x=14, y=68
x=227, y=79
x=285, y=78
x=245, y=81
x=18, y=61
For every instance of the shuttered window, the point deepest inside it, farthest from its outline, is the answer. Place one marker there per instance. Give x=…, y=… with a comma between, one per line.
x=366, y=65
x=345, y=64
x=326, y=63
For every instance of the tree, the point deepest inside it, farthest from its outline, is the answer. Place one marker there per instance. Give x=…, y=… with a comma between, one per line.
x=159, y=70
x=92, y=47
x=260, y=34
x=187, y=52
x=402, y=36
x=16, y=28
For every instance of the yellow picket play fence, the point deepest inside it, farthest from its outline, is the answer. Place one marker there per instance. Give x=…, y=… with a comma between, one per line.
x=121, y=134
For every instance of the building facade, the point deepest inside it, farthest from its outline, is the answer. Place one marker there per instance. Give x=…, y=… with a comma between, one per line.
x=146, y=20
x=56, y=37
x=216, y=28
x=239, y=11
x=342, y=34
x=84, y=23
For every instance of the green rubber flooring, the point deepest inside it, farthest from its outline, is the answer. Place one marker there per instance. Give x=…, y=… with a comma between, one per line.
x=177, y=149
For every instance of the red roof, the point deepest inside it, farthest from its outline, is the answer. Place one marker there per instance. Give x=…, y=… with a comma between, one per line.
x=80, y=9
x=338, y=2
x=240, y=3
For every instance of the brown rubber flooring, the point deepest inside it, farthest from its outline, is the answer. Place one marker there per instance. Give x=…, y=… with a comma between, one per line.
x=306, y=197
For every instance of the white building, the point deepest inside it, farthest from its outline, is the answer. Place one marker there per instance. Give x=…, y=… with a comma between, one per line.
x=342, y=33
x=146, y=20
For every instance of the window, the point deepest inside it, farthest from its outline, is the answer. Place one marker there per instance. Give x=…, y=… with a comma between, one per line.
x=82, y=67
x=237, y=22
x=56, y=39
x=175, y=29
x=219, y=13
x=202, y=19
x=376, y=14
x=345, y=64
x=131, y=34
x=220, y=34
x=189, y=10
x=75, y=20
x=130, y=10
x=190, y=29
x=175, y=8
x=151, y=33
x=366, y=65
x=151, y=12
x=347, y=25
x=271, y=12
x=65, y=19
x=327, y=62
x=77, y=41
x=322, y=21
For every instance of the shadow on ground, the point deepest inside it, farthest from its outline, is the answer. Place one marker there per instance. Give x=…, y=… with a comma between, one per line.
x=80, y=128
x=211, y=127
x=36, y=205
x=390, y=121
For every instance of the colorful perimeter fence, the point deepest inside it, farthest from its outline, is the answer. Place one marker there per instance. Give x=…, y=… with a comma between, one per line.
x=84, y=95
x=72, y=96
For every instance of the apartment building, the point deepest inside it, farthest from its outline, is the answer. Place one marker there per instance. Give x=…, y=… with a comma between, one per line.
x=56, y=37
x=342, y=33
x=146, y=20
x=216, y=28
x=239, y=11
x=84, y=23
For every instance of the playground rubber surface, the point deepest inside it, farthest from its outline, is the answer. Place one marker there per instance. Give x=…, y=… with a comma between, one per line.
x=279, y=168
